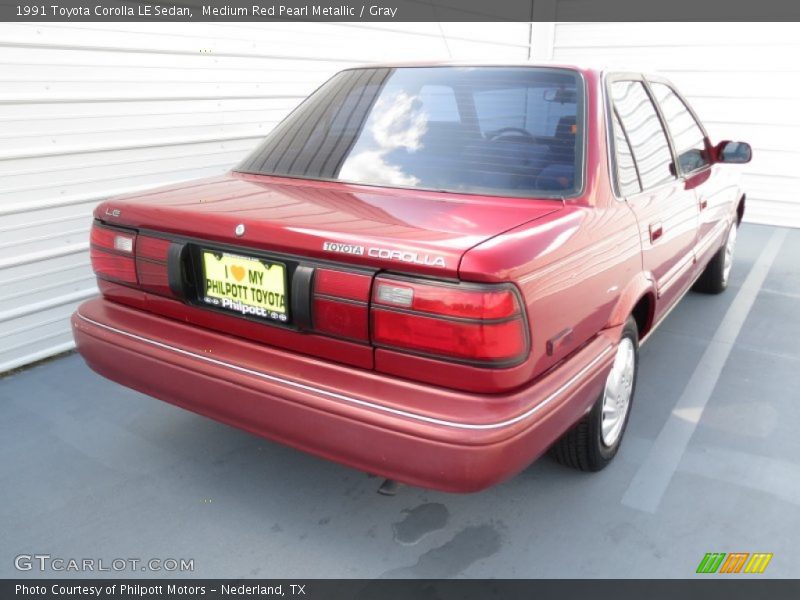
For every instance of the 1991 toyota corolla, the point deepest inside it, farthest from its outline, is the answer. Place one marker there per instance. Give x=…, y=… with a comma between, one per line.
x=431, y=273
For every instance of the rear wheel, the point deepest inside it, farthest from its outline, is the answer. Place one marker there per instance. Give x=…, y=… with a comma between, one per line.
x=714, y=279
x=593, y=442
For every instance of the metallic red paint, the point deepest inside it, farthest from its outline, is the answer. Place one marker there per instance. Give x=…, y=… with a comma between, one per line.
x=580, y=266
x=423, y=435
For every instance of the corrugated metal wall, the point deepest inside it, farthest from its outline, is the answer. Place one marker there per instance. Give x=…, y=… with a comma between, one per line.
x=743, y=79
x=92, y=110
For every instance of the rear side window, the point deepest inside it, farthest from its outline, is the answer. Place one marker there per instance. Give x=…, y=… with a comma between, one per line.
x=641, y=125
x=627, y=175
x=686, y=134
x=505, y=131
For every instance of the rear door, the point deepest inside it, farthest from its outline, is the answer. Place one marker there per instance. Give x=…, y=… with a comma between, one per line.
x=667, y=213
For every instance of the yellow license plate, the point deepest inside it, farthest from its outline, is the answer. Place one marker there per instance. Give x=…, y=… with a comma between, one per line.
x=245, y=285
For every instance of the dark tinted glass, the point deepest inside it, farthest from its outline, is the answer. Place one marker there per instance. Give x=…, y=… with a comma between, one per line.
x=492, y=130
x=686, y=133
x=627, y=176
x=644, y=131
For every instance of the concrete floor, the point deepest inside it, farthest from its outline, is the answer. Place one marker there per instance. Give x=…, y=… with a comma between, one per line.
x=91, y=469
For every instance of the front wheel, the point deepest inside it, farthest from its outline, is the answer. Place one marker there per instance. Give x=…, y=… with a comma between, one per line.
x=714, y=279
x=593, y=442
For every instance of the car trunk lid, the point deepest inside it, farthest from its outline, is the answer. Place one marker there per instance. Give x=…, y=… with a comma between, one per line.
x=393, y=229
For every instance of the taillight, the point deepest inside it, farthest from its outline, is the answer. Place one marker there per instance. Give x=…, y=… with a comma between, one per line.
x=124, y=256
x=112, y=253
x=466, y=322
x=340, y=304
x=151, y=264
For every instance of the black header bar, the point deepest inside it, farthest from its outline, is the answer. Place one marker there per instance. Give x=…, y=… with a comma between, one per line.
x=398, y=10
x=708, y=587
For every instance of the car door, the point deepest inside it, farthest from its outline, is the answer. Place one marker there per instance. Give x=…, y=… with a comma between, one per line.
x=667, y=213
x=713, y=192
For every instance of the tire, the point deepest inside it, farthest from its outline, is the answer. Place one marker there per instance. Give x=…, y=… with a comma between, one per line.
x=714, y=279
x=588, y=446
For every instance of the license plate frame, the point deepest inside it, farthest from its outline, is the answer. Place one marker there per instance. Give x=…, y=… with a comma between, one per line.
x=233, y=283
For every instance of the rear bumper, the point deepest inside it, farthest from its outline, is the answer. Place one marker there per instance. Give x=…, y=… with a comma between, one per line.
x=418, y=434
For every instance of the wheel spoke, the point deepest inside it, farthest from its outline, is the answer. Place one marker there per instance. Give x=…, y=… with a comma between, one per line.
x=617, y=392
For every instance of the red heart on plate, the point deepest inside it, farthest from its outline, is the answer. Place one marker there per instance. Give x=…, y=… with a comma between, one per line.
x=238, y=272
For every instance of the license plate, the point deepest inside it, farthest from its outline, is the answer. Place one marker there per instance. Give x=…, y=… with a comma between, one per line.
x=245, y=285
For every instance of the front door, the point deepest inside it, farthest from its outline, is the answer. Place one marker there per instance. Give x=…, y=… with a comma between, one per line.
x=714, y=192
x=667, y=212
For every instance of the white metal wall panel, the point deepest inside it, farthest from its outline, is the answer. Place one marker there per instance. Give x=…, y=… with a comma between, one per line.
x=743, y=79
x=92, y=110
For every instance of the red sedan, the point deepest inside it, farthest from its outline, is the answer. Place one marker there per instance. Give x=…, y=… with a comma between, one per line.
x=430, y=273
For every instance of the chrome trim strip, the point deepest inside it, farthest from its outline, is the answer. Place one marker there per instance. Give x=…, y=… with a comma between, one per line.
x=356, y=401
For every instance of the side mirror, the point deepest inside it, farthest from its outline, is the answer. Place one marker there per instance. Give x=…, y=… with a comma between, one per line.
x=734, y=152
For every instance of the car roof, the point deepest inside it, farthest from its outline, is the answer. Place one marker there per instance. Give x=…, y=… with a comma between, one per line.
x=599, y=69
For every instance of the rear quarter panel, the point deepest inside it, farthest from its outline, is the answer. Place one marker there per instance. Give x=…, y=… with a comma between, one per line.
x=578, y=273
x=579, y=269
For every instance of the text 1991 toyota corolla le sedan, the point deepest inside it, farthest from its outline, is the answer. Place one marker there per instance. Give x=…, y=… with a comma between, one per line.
x=431, y=273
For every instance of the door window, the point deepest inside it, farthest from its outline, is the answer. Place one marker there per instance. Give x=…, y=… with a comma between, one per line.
x=687, y=135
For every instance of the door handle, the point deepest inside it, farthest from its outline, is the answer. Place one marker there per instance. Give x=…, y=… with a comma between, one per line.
x=703, y=203
x=656, y=231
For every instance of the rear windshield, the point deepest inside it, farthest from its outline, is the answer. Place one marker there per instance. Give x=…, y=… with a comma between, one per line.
x=484, y=130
